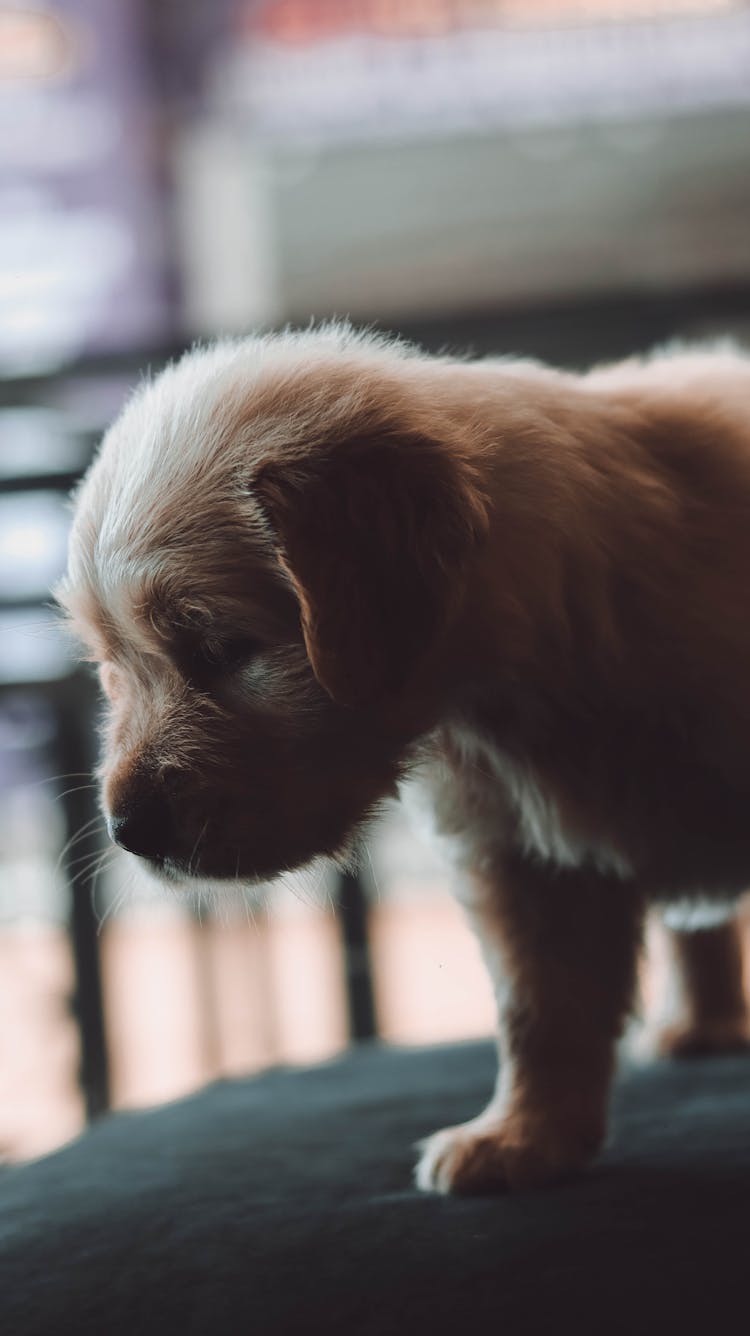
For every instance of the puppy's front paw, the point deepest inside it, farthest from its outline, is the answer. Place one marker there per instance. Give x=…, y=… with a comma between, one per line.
x=485, y=1156
x=702, y=1039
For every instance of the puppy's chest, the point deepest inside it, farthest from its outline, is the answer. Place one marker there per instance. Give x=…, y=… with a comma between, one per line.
x=544, y=830
x=485, y=801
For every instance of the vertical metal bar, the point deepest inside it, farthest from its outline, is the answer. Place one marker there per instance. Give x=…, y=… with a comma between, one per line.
x=352, y=910
x=75, y=748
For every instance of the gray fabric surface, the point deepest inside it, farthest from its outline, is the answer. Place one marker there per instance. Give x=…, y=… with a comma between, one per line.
x=284, y=1204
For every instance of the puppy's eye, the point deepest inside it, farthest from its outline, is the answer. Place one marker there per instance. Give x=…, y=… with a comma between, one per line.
x=222, y=656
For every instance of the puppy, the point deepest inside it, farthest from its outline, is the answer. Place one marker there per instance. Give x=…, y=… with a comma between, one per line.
x=310, y=564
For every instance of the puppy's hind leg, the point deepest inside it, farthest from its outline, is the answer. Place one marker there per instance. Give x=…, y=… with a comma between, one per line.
x=706, y=965
x=561, y=947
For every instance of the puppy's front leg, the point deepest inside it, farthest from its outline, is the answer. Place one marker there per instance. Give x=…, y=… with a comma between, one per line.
x=707, y=971
x=561, y=948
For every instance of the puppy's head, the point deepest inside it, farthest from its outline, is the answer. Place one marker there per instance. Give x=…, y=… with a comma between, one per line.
x=266, y=560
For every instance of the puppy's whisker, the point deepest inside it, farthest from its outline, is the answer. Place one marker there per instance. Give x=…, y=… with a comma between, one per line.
x=197, y=896
x=216, y=904
x=102, y=869
x=84, y=831
x=97, y=861
x=111, y=911
x=249, y=909
x=58, y=779
x=196, y=846
x=292, y=882
x=49, y=630
x=79, y=788
x=74, y=864
x=320, y=871
x=375, y=881
x=91, y=875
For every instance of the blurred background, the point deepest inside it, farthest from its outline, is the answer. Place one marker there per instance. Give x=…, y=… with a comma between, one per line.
x=568, y=179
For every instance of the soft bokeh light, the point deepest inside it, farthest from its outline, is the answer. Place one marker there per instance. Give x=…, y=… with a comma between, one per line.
x=33, y=544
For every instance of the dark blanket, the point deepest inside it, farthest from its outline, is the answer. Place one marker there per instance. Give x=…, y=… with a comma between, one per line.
x=284, y=1204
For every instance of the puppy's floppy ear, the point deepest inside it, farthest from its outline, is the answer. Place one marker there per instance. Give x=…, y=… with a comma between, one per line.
x=375, y=532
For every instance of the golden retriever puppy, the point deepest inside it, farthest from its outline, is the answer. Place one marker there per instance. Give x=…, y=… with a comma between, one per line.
x=310, y=564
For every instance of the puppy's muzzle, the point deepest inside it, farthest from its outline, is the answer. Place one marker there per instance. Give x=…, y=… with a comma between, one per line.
x=143, y=826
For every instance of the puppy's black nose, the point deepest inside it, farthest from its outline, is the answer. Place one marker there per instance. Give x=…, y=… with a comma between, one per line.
x=143, y=828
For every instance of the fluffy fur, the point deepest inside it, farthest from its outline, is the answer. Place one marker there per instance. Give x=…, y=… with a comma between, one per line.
x=306, y=562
